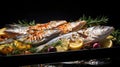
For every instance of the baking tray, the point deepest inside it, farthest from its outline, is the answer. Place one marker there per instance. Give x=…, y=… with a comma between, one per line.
x=53, y=57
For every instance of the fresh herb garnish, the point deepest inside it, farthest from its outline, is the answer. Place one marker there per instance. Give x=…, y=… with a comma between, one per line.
x=116, y=34
x=57, y=43
x=100, y=20
x=26, y=23
x=32, y=50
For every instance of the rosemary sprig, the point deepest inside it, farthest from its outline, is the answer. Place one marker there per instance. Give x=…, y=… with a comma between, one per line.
x=116, y=34
x=100, y=20
x=26, y=23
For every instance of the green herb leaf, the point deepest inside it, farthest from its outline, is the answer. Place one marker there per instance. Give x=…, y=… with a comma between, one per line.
x=116, y=34
x=57, y=43
x=100, y=20
x=32, y=50
x=26, y=23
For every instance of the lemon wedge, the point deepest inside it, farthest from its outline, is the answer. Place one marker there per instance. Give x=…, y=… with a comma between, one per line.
x=77, y=45
x=106, y=43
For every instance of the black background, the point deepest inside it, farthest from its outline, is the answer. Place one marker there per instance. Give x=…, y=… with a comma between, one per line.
x=43, y=11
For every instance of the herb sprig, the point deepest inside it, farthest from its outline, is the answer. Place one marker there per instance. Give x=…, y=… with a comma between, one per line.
x=26, y=23
x=100, y=20
x=116, y=34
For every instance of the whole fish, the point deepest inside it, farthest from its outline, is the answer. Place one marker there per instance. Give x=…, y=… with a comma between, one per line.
x=24, y=30
x=96, y=33
x=93, y=34
x=39, y=37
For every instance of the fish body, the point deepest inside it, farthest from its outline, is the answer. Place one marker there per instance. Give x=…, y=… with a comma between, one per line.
x=39, y=37
x=7, y=41
x=13, y=25
x=93, y=34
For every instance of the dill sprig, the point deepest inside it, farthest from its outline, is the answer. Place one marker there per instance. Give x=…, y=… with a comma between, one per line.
x=100, y=20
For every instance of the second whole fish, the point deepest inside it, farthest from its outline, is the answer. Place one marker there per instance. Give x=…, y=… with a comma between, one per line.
x=93, y=34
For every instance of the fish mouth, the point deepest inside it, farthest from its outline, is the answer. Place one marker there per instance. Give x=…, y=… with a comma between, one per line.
x=110, y=30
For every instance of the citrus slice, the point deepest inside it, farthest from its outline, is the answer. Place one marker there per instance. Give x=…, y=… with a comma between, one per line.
x=2, y=31
x=61, y=48
x=107, y=43
x=77, y=45
x=109, y=37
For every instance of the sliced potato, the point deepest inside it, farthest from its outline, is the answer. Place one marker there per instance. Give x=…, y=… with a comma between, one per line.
x=2, y=31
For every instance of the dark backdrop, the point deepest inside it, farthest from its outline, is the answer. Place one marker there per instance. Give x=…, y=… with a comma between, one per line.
x=11, y=11
x=56, y=10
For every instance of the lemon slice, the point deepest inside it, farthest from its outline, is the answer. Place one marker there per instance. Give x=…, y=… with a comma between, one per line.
x=61, y=48
x=77, y=45
x=2, y=31
x=107, y=43
x=109, y=37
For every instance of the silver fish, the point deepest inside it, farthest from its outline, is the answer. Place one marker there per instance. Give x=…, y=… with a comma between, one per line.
x=19, y=30
x=24, y=30
x=94, y=34
x=13, y=25
x=39, y=38
x=7, y=41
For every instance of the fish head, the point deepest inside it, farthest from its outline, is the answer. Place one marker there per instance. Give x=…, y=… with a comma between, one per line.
x=21, y=30
x=99, y=32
